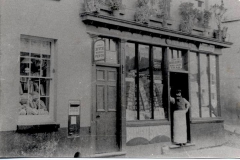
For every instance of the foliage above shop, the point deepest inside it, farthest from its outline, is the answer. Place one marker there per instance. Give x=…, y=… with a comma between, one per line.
x=95, y=5
x=143, y=11
x=189, y=15
x=164, y=11
x=219, y=11
x=146, y=9
x=115, y=4
x=207, y=15
x=92, y=5
x=193, y=17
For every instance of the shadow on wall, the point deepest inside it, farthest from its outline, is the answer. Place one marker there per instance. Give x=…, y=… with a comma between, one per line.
x=230, y=109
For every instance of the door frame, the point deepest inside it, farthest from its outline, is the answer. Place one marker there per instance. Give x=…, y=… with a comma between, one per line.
x=121, y=118
x=187, y=114
x=188, y=117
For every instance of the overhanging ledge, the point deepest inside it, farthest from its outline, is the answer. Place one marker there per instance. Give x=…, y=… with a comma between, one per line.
x=135, y=27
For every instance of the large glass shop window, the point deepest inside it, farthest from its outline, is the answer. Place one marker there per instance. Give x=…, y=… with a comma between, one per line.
x=204, y=74
x=213, y=84
x=143, y=82
x=194, y=85
x=158, y=84
x=35, y=77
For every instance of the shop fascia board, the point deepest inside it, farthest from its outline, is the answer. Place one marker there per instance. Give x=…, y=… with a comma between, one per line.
x=126, y=25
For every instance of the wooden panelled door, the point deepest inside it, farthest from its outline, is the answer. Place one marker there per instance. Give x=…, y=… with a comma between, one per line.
x=106, y=110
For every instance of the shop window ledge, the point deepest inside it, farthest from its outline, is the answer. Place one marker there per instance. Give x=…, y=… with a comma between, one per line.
x=38, y=128
x=147, y=123
x=109, y=155
x=207, y=120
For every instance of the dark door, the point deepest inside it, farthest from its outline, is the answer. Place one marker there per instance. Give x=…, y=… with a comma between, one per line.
x=106, y=110
x=180, y=81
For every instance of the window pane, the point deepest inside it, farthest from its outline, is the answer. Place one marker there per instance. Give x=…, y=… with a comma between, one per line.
x=35, y=46
x=131, y=70
x=157, y=84
x=213, y=70
x=194, y=86
x=25, y=45
x=33, y=97
x=44, y=87
x=24, y=54
x=46, y=48
x=178, y=60
x=46, y=68
x=204, y=86
x=43, y=106
x=35, y=67
x=24, y=66
x=111, y=51
x=144, y=83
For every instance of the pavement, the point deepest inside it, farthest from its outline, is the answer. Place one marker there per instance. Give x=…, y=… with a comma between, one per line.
x=153, y=151
x=216, y=152
x=229, y=150
x=232, y=128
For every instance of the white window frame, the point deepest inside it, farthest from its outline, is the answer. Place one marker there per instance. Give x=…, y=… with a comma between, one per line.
x=40, y=119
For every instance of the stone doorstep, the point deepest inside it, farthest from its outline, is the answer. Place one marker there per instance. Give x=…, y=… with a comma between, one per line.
x=172, y=148
x=110, y=155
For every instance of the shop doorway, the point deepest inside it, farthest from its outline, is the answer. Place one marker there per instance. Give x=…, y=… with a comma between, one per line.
x=180, y=81
x=107, y=110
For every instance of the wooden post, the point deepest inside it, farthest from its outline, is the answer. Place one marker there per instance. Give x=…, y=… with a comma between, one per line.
x=209, y=85
x=93, y=108
x=199, y=86
x=218, y=87
x=122, y=88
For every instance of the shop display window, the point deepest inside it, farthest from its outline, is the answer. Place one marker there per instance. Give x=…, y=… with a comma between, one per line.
x=35, y=77
x=194, y=85
x=204, y=103
x=213, y=71
x=204, y=74
x=144, y=86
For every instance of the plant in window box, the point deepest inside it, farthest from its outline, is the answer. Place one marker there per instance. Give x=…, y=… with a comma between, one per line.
x=207, y=15
x=164, y=11
x=219, y=11
x=115, y=6
x=143, y=12
x=92, y=6
x=189, y=15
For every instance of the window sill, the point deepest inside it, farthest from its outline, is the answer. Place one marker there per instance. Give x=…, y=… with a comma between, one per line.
x=147, y=123
x=207, y=120
x=37, y=128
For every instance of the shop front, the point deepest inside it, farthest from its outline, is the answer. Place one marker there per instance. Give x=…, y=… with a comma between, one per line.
x=102, y=81
x=149, y=64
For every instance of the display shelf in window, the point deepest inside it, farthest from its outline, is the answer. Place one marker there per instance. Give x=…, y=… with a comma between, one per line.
x=35, y=78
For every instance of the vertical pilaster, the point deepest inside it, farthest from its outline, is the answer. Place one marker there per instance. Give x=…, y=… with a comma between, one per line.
x=218, y=87
x=122, y=74
x=93, y=108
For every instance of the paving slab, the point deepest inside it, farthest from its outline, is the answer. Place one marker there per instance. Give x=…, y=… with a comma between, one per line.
x=216, y=152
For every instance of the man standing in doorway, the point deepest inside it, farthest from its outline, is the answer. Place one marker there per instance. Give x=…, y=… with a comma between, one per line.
x=181, y=107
